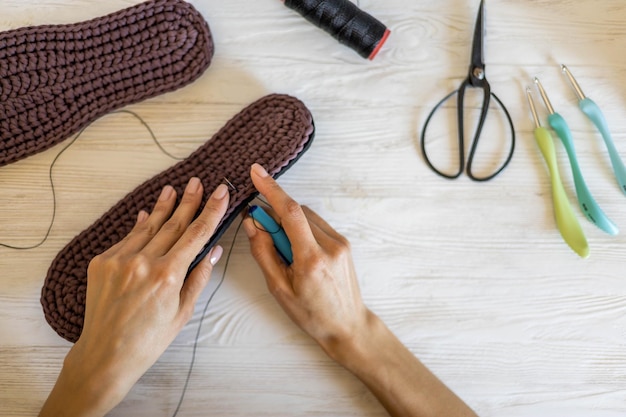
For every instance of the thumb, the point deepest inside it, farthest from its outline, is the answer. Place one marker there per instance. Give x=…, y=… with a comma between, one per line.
x=265, y=254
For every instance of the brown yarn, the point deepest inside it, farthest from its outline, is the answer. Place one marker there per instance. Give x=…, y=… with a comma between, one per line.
x=56, y=79
x=274, y=132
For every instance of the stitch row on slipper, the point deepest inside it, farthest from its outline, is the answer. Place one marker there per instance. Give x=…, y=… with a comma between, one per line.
x=56, y=79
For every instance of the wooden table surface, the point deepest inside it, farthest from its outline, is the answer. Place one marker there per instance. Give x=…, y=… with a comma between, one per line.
x=473, y=277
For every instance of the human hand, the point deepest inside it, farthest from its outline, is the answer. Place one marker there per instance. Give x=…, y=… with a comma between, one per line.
x=319, y=291
x=137, y=301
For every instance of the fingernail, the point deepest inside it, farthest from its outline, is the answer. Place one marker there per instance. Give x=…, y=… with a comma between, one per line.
x=250, y=228
x=220, y=192
x=259, y=170
x=193, y=186
x=216, y=254
x=142, y=216
x=166, y=193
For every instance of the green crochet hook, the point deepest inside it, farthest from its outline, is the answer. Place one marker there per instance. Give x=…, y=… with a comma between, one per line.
x=566, y=220
x=593, y=112
x=590, y=208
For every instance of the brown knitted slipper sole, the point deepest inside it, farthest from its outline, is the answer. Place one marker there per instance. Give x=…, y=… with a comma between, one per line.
x=274, y=132
x=56, y=79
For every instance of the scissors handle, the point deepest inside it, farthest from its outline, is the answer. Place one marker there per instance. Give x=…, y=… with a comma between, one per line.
x=423, y=143
x=461, y=135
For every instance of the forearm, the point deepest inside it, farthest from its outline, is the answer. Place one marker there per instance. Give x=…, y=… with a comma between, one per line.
x=403, y=385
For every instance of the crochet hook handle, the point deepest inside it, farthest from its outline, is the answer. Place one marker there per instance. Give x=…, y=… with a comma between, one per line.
x=279, y=237
x=587, y=203
x=566, y=220
x=593, y=112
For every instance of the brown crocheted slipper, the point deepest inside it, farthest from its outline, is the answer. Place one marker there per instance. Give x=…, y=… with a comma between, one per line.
x=274, y=132
x=56, y=79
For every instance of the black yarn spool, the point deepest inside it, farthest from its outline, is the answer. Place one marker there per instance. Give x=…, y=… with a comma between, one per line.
x=345, y=22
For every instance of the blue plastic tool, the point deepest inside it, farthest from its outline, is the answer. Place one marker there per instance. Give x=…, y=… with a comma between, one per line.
x=593, y=112
x=281, y=241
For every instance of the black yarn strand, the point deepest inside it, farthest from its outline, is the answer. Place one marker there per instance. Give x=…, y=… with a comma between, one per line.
x=51, y=180
x=206, y=307
x=54, y=200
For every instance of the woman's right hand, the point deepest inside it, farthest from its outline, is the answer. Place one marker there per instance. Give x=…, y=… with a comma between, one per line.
x=319, y=291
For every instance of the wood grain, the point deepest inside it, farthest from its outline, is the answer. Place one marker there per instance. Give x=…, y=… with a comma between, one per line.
x=475, y=278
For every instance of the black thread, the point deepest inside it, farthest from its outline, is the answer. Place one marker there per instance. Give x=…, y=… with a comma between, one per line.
x=345, y=22
x=254, y=220
x=51, y=180
x=206, y=306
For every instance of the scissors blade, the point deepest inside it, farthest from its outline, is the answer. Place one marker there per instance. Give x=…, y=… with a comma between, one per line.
x=477, y=67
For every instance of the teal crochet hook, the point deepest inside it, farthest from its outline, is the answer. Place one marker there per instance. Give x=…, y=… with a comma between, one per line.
x=279, y=237
x=593, y=112
x=590, y=208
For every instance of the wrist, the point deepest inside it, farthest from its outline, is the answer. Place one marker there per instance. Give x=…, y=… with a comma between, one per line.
x=360, y=346
x=403, y=385
x=83, y=388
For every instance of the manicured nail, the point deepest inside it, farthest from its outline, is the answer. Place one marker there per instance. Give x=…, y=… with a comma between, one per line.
x=259, y=170
x=193, y=186
x=250, y=228
x=216, y=254
x=220, y=192
x=142, y=216
x=166, y=194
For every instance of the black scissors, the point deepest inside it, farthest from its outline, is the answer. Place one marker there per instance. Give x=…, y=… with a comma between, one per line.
x=475, y=79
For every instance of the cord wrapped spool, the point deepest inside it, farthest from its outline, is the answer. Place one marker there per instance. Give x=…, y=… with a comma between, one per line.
x=345, y=22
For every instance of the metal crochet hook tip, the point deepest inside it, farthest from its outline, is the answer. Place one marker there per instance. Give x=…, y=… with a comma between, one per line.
x=533, y=109
x=544, y=96
x=230, y=184
x=579, y=92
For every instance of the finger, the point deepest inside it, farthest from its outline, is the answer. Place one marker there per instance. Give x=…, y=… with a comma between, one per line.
x=144, y=231
x=196, y=282
x=202, y=228
x=141, y=217
x=323, y=239
x=264, y=252
x=289, y=212
x=322, y=225
x=176, y=225
x=323, y=233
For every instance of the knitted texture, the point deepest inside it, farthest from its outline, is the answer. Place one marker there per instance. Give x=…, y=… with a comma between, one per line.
x=56, y=79
x=274, y=132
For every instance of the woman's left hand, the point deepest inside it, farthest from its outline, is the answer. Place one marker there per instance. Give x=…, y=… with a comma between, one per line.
x=138, y=300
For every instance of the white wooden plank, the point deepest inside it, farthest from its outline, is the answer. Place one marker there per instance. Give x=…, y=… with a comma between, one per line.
x=475, y=278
